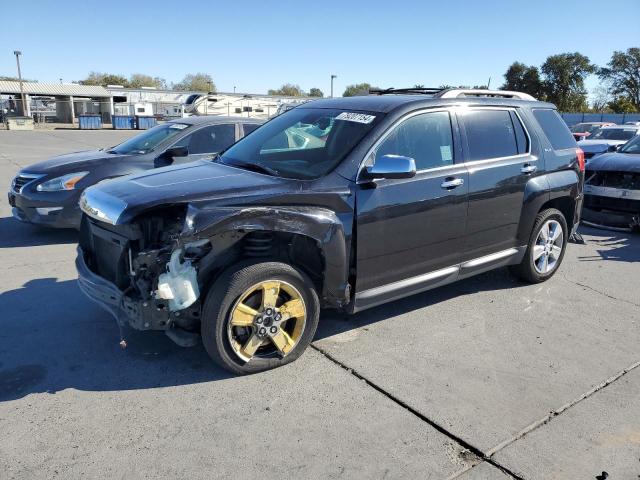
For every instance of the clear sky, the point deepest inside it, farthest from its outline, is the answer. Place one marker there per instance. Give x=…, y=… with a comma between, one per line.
x=256, y=45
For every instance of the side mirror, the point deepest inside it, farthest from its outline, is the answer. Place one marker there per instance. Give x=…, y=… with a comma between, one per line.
x=176, y=152
x=391, y=166
x=166, y=158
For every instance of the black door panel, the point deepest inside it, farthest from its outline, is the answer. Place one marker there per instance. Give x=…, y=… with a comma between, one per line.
x=410, y=227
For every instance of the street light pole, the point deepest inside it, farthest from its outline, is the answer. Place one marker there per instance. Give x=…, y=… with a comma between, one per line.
x=332, y=77
x=17, y=53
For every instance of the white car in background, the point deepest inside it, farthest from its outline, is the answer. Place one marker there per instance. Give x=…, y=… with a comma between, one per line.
x=608, y=139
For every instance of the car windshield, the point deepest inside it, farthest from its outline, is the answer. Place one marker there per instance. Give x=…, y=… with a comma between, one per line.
x=147, y=141
x=582, y=127
x=613, y=134
x=303, y=143
x=632, y=146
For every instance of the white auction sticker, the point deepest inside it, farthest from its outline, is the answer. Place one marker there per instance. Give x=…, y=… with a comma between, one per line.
x=356, y=117
x=178, y=126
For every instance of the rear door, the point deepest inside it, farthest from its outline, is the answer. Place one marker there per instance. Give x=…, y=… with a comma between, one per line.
x=409, y=227
x=500, y=163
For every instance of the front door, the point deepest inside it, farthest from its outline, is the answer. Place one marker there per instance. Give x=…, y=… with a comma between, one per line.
x=408, y=228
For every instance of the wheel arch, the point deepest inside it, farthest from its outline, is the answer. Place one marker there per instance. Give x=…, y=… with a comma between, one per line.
x=558, y=190
x=312, y=239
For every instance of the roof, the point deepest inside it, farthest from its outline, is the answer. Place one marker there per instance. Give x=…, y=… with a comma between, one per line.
x=621, y=127
x=387, y=103
x=212, y=119
x=53, y=89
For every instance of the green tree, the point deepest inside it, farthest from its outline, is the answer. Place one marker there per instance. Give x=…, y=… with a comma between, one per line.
x=196, y=82
x=287, y=90
x=104, y=79
x=137, y=80
x=357, y=89
x=623, y=73
x=316, y=92
x=563, y=83
x=622, y=105
x=523, y=78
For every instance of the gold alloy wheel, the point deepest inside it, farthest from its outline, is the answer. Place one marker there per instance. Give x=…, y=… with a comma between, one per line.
x=267, y=319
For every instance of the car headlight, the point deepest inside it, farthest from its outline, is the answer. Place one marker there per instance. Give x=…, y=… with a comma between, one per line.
x=65, y=182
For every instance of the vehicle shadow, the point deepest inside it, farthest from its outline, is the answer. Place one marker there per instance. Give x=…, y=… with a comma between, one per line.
x=14, y=233
x=617, y=246
x=53, y=338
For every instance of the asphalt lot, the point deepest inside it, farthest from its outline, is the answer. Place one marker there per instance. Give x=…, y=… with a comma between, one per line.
x=484, y=379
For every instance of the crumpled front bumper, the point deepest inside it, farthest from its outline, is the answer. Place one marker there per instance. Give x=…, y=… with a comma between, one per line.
x=99, y=290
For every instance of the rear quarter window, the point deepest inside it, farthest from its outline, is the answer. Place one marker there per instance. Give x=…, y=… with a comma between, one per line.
x=554, y=128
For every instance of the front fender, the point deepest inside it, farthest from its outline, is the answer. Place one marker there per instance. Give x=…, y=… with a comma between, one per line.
x=319, y=224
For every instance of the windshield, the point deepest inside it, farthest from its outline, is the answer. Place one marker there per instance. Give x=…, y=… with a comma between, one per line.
x=632, y=146
x=147, y=141
x=585, y=128
x=303, y=143
x=613, y=134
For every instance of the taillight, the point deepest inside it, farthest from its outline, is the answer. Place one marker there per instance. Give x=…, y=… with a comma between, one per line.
x=580, y=155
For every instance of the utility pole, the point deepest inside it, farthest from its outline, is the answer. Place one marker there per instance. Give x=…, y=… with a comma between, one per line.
x=332, y=77
x=25, y=109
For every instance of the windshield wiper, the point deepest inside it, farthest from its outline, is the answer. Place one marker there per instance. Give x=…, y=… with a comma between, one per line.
x=256, y=167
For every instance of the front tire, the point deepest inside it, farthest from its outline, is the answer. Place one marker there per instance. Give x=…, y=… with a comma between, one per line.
x=546, y=248
x=259, y=316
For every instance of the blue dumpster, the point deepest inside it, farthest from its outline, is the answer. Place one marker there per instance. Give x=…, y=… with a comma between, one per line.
x=89, y=122
x=123, y=122
x=144, y=123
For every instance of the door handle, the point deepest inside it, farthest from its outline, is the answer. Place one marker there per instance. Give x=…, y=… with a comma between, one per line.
x=527, y=168
x=452, y=183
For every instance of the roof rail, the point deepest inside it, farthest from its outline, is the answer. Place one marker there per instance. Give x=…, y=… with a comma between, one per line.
x=412, y=90
x=472, y=92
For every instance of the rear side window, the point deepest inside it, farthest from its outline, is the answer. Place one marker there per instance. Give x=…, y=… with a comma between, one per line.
x=490, y=134
x=554, y=128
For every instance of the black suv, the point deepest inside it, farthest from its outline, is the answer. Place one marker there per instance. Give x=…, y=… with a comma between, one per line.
x=342, y=203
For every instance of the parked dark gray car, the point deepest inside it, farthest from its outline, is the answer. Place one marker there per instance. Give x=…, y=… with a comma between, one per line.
x=47, y=193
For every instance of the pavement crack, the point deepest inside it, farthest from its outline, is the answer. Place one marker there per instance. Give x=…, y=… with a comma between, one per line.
x=460, y=441
x=600, y=292
x=554, y=413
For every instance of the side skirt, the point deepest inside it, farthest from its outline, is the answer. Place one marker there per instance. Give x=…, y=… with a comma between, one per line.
x=410, y=286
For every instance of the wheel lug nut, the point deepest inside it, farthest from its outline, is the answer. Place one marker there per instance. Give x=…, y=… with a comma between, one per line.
x=259, y=320
x=273, y=330
x=269, y=311
x=262, y=331
x=278, y=317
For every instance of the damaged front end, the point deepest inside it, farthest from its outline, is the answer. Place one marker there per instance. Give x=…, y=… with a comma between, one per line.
x=143, y=273
x=612, y=199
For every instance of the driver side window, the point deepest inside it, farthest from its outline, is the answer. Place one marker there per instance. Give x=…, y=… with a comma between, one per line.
x=427, y=138
x=211, y=139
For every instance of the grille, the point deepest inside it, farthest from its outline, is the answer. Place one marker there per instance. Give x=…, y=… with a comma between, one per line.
x=628, y=180
x=21, y=180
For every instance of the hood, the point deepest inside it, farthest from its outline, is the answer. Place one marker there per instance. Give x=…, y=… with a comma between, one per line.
x=70, y=162
x=117, y=201
x=598, y=145
x=615, y=162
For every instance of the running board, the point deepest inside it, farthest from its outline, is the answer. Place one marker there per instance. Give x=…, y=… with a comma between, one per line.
x=410, y=286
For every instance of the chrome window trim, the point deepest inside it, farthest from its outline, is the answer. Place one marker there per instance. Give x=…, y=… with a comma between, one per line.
x=452, y=109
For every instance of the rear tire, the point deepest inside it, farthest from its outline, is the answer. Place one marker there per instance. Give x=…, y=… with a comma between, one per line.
x=546, y=248
x=237, y=308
